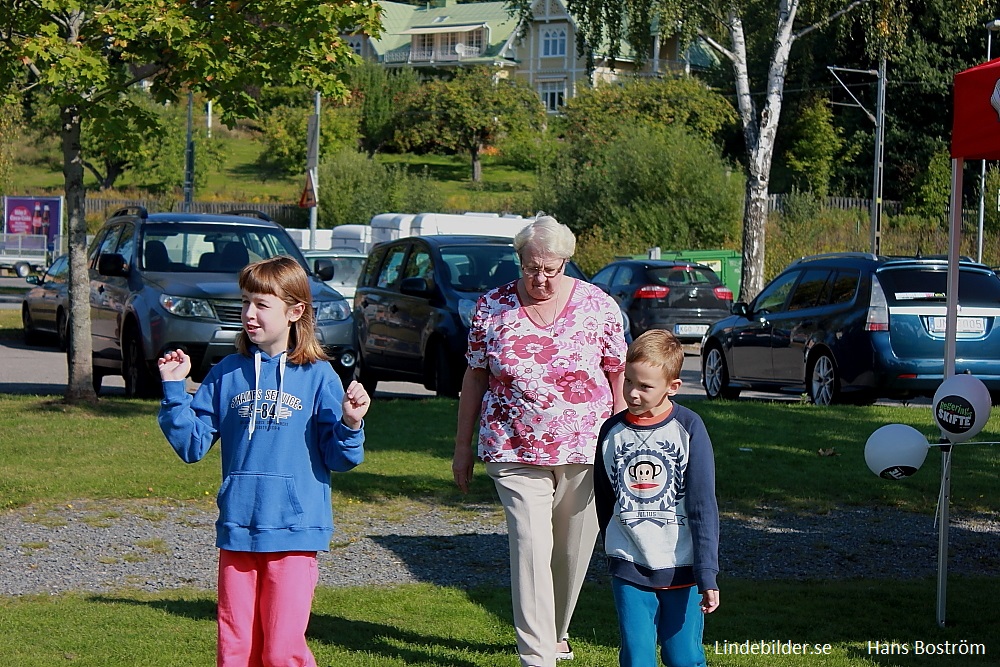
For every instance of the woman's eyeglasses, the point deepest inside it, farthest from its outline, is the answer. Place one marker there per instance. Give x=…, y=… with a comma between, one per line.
x=543, y=270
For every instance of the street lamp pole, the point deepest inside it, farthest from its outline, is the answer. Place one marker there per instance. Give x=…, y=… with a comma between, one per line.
x=990, y=27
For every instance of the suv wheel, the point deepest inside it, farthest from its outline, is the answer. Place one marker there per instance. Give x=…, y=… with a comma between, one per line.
x=446, y=381
x=365, y=375
x=715, y=375
x=139, y=382
x=823, y=380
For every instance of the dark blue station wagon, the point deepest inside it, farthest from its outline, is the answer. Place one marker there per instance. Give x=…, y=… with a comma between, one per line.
x=853, y=327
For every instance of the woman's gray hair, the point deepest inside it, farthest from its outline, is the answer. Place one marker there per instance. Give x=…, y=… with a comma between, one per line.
x=548, y=235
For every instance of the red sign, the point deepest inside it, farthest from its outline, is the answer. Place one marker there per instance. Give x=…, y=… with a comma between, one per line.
x=975, y=132
x=308, y=198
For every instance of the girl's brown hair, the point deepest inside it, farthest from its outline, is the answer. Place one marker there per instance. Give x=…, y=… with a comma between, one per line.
x=286, y=279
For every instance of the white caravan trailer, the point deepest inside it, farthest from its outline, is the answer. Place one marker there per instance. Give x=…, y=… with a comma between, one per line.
x=391, y=226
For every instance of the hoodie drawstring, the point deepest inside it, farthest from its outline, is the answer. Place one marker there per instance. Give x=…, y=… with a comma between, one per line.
x=256, y=389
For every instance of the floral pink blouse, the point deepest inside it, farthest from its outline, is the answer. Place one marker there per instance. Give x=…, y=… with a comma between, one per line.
x=548, y=392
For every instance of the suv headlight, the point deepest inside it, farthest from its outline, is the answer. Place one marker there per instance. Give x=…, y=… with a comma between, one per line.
x=332, y=311
x=466, y=309
x=183, y=306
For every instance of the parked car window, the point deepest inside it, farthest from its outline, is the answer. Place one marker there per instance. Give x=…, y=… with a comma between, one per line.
x=371, y=266
x=918, y=284
x=477, y=268
x=604, y=275
x=683, y=275
x=110, y=241
x=126, y=242
x=391, y=267
x=59, y=271
x=624, y=276
x=419, y=265
x=208, y=248
x=844, y=286
x=809, y=292
x=772, y=299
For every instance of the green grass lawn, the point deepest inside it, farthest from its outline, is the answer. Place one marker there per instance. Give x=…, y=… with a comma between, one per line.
x=767, y=455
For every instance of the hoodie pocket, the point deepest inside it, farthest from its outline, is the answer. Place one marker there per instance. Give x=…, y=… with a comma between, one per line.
x=259, y=500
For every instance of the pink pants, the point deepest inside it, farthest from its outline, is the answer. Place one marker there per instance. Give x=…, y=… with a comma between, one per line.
x=264, y=605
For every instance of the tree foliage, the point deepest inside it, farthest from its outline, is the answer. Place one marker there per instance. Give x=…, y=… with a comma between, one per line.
x=471, y=111
x=10, y=136
x=657, y=185
x=284, y=132
x=86, y=55
x=379, y=93
x=816, y=144
x=598, y=112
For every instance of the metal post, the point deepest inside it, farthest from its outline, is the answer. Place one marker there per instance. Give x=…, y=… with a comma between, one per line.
x=990, y=27
x=876, y=209
x=189, y=158
x=314, y=167
x=951, y=332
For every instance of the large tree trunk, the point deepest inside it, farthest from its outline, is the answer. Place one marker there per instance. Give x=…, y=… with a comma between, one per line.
x=79, y=386
x=760, y=133
x=477, y=164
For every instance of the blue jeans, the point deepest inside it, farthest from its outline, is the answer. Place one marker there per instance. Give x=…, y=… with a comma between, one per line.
x=669, y=618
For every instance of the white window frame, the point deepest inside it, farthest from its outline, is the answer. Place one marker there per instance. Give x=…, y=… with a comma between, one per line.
x=552, y=94
x=553, y=41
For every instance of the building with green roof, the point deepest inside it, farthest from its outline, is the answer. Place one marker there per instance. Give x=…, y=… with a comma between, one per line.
x=445, y=34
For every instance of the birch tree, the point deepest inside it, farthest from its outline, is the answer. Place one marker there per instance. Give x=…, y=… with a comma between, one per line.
x=86, y=54
x=744, y=32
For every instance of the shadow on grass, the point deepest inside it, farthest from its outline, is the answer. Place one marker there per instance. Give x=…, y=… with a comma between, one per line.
x=192, y=609
x=392, y=642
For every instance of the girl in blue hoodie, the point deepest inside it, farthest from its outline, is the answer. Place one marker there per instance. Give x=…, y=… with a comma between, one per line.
x=285, y=423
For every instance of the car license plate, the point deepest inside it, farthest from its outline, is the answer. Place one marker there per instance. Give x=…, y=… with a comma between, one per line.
x=690, y=329
x=975, y=325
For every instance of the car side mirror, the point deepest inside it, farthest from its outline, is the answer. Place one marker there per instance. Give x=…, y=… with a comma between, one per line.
x=740, y=308
x=32, y=280
x=415, y=287
x=112, y=264
x=324, y=269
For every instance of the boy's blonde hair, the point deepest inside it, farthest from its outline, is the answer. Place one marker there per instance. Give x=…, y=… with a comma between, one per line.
x=658, y=348
x=286, y=279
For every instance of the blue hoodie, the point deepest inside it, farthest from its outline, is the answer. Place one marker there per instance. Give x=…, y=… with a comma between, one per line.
x=276, y=461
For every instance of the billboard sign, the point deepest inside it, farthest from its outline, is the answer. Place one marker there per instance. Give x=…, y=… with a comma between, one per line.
x=38, y=216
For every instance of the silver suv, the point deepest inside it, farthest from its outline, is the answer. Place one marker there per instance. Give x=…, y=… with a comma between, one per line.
x=164, y=281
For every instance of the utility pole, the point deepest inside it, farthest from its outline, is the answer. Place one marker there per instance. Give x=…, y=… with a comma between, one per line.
x=189, y=157
x=879, y=119
x=312, y=166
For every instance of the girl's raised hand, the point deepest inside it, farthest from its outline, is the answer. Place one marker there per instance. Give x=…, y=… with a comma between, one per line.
x=174, y=365
x=356, y=402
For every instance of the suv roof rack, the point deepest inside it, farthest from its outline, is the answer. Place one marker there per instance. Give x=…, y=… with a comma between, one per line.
x=132, y=209
x=249, y=213
x=832, y=255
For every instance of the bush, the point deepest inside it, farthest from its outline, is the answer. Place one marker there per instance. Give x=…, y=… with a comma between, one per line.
x=354, y=188
x=285, y=136
x=667, y=187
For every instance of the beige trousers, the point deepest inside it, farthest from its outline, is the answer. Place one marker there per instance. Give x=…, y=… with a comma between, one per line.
x=552, y=529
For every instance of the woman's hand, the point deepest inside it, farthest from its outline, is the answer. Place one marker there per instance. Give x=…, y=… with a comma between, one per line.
x=174, y=365
x=461, y=466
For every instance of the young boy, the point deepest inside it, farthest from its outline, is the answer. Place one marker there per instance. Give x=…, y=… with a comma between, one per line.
x=654, y=481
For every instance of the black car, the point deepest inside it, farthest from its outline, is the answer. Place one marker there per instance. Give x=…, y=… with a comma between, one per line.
x=683, y=298
x=415, y=301
x=45, y=308
x=163, y=281
x=854, y=327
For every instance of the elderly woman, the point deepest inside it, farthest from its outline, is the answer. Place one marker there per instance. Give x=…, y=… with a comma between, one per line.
x=546, y=355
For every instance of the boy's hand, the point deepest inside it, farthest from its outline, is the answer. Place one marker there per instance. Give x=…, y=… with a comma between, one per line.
x=355, y=407
x=174, y=365
x=709, y=601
